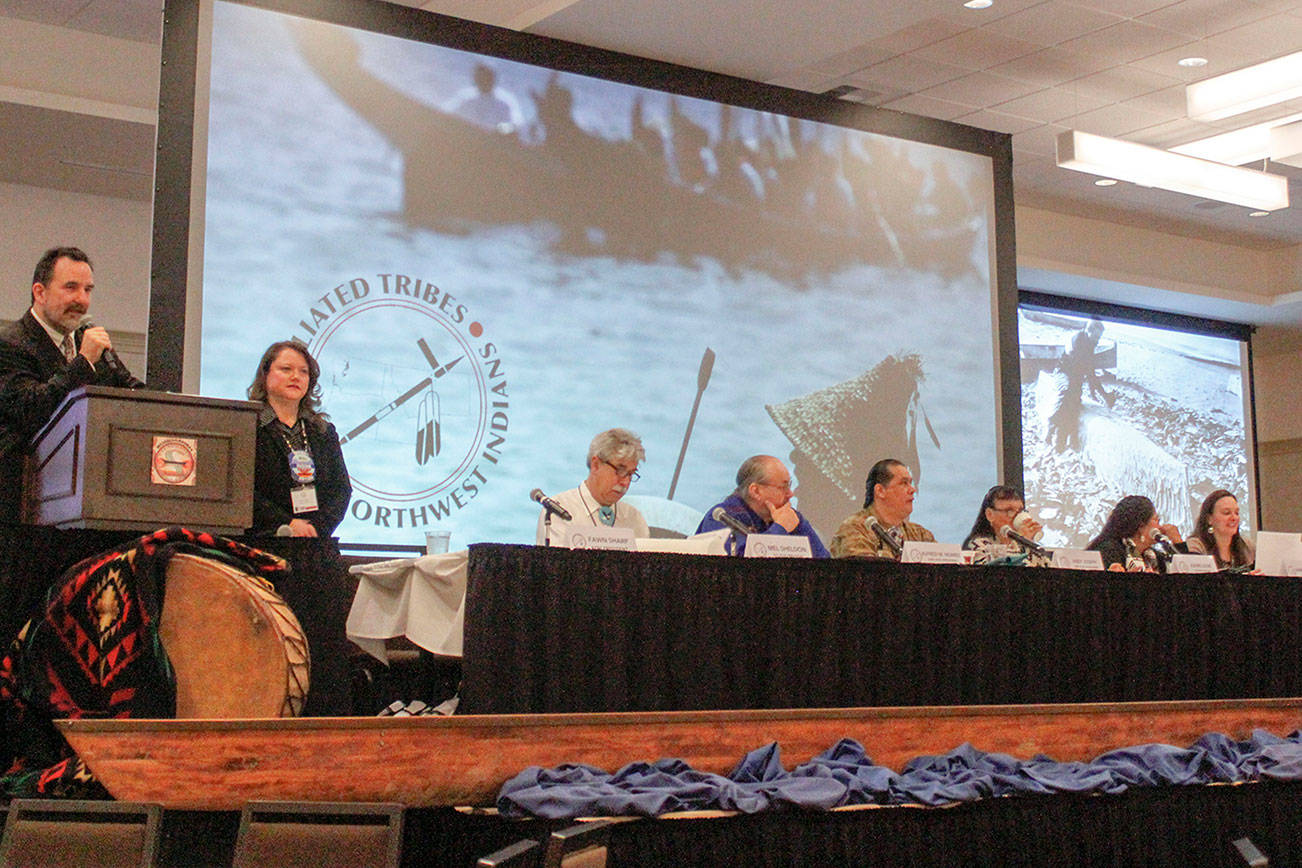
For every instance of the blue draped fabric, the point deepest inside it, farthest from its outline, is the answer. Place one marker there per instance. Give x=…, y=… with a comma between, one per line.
x=845, y=775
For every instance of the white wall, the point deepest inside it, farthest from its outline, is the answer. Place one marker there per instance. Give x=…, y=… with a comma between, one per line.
x=1279, y=439
x=114, y=232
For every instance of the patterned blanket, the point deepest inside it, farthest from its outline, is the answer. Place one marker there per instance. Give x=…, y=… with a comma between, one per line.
x=95, y=652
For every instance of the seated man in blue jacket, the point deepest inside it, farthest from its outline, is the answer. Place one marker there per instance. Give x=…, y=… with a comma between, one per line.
x=762, y=502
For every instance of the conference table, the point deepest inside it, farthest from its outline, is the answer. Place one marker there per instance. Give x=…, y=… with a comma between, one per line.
x=557, y=630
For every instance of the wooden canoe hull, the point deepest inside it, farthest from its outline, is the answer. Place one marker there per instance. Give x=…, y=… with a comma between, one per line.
x=440, y=761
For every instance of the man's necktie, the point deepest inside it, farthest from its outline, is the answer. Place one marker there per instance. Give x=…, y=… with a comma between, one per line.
x=69, y=347
x=607, y=514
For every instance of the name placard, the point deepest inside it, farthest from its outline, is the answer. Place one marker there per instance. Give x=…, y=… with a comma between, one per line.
x=1192, y=564
x=602, y=537
x=931, y=553
x=765, y=545
x=1077, y=559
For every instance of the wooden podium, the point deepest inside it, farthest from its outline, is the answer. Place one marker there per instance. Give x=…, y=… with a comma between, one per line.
x=124, y=459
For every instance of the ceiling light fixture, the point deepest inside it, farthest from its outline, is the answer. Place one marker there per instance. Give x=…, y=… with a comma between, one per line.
x=979, y=4
x=1258, y=213
x=1244, y=145
x=1192, y=62
x=1105, y=182
x=1252, y=87
x=1286, y=144
x=1154, y=167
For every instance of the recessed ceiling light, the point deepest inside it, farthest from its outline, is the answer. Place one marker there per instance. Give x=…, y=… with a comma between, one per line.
x=979, y=4
x=1105, y=182
x=1258, y=213
x=1192, y=61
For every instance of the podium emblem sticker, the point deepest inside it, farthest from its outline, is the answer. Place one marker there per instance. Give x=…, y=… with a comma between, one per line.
x=173, y=461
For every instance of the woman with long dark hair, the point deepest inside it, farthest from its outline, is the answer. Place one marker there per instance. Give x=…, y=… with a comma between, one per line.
x=300, y=483
x=1216, y=532
x=1126, y=541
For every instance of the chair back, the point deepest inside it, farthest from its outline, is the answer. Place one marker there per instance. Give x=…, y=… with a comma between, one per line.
x=61, y=833
x=320, y=835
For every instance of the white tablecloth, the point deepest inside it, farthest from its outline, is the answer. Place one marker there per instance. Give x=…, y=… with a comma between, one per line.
x=423, y=599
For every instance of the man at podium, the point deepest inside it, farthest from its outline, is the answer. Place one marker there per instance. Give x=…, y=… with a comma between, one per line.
x=52, y=350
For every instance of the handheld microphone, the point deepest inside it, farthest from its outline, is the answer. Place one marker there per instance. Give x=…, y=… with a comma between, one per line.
x=1027, y=543
x=721, y=515
x=111, y=360
x=550, y=505
x=883, y=534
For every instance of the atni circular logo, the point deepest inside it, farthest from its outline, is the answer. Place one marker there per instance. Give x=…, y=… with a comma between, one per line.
x=417, y=392
x=173, y=461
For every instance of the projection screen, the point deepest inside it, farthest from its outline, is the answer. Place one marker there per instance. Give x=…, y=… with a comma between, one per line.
x=1113, y=406
x=493, y=260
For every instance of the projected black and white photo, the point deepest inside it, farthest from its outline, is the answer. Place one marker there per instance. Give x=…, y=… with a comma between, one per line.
x=494, y=261
x=1111, y=409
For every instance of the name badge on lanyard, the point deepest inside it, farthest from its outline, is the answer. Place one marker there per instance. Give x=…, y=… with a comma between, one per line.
x=303, y=471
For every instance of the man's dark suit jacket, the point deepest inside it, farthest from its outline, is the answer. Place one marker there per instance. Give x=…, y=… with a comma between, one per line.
x=34, y=379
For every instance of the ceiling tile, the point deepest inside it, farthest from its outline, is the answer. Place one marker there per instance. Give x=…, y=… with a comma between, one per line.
x=1124, y=42
x=980, y=89
x=917, y=35
x=1045, y=27
x=907, y=73
x=1126, y=8
x=1202, y=18
x=1049, y=105
x=1049, y=67
x=853, y=60
x=998, y=121
x=1122, y=83
x=981, y=17
x=807, y=80
x=1113, y=120
x=1221, y=57
x=928, y=107
x=977, y=49
x=1268, y=38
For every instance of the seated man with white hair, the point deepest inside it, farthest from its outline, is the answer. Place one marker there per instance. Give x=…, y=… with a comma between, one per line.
x=613, y=457
x=762, y=502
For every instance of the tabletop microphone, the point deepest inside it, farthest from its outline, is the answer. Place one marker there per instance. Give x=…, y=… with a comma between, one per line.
x=111, y=360
x=883, y=534
x=722, y=517
x=1162, y=544
x=1025, y=542
x=550, y=505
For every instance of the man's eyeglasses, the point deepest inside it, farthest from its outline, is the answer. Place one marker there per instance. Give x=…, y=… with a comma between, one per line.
x=621, y=473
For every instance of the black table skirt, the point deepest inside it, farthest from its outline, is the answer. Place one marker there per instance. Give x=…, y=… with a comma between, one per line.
x=553, y=630
x=316, y=590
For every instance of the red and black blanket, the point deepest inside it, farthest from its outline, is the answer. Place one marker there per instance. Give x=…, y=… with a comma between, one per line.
x=95, y=652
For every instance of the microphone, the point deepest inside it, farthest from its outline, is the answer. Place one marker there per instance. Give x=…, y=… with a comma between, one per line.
x=550, y=505
x=872, y=524
x=1162, y=544
x=111, y=360
x=1007, y=533
x=720, y=515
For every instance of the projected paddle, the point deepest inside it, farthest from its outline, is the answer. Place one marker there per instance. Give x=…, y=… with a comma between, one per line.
x=387, y=409
x=702, y=380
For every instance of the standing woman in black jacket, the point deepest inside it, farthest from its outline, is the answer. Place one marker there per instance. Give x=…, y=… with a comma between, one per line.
x=300, y=483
